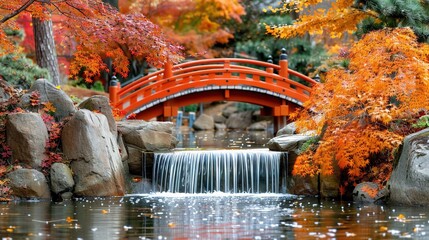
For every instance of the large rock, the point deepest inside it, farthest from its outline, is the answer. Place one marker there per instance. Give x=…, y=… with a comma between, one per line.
x=259, y=126
x=204, y=122
x=229, y=110
x=94, y=155
x=219, y=119
x=148, y=136
x=61, y=178
x=369, y=192
x=287, y=142
x=29, y=183
x=409, y=183
x=27, y=136
x=128, y=126
x=49, y=93
x=240, y=120
x=287, y=130
x=101, y=104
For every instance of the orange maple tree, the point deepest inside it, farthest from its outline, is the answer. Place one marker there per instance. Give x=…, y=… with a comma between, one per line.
x=196, y=24
x=97, y=31
x=360, y=109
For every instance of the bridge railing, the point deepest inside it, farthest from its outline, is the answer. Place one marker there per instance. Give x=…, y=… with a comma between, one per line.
x=202, y=73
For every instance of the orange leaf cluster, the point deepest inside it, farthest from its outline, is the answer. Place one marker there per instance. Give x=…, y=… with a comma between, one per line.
x=196, y=24
x=386, y=82
x=97, y=31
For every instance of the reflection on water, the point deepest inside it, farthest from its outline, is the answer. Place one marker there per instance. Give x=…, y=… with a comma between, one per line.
x=218, y=216
x=233, y=139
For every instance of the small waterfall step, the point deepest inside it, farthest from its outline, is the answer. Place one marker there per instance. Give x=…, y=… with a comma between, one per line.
x=229, y=171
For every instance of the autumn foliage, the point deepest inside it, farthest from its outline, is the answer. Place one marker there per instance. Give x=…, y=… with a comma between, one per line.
x=195, y=24
x=360, y=112
x=96, y=31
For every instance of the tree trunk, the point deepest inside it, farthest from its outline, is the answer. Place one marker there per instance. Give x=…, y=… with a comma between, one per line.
x=46, y=54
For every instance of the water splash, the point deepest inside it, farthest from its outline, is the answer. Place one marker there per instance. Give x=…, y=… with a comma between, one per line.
x=229, y=171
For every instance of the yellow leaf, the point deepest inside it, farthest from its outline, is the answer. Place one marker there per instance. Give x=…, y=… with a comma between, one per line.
x=49, y=107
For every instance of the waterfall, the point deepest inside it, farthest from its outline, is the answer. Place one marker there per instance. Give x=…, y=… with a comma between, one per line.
x=229, y=171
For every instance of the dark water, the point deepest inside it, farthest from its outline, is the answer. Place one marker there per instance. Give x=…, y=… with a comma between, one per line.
x=210, y=217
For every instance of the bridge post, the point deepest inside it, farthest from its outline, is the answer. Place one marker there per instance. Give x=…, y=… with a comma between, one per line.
x=168, y=69
x=269, y=69
x=283, y=63
x=114, y=87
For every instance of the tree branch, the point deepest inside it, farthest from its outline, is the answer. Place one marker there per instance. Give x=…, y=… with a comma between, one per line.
x=17, y=11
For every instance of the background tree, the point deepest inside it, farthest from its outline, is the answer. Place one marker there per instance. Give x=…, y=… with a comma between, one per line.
x=362, y=110
x=99, y=32
x=351, y=16
x=197, y=24
x=373, y=93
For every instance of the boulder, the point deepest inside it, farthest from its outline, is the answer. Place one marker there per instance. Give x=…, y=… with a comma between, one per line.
x=61, y=178
x=219, y=119
x=148, y=136
x=94, y=155
x=29, y=183
x=409, y=182
x=229, y=110
x=49, y=93
x=368, y=192
x=128, y=126
x=220, y=126
x=27, y=136
x=122, y=147
x=139, y=160
x=240, y=120
x=287, y=130
x=101, y=104
x=287, y=142
x=259, y=126
x=204, y=122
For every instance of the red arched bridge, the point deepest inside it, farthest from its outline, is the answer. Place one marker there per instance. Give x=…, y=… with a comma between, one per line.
x=160, y=94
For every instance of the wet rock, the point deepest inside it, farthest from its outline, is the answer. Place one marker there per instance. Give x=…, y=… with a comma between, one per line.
x=27, y=136
x=101, y=104
x=122, y=148
x=29, y=183
x=409, y=183
x=49, y=93
x=287, y=142
x=204, y=122
x=150, y=140
x=128, y=126
x=288, y=129
x=61, y=178
x=366, y=192
x=259, y=126
x=239, y=120
x=94, y=155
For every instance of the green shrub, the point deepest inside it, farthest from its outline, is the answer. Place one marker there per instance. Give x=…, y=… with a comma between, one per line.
x=20, y=71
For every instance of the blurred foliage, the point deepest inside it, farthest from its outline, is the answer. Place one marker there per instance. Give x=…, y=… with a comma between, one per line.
x=20, y=71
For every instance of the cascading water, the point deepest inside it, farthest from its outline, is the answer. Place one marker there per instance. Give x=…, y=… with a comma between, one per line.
x=229, y=171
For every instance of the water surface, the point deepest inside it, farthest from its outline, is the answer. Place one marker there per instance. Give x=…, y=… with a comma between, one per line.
x=219, y=216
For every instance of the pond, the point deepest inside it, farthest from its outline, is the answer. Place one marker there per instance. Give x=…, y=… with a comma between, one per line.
x=218, y=216
x=211, y=216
